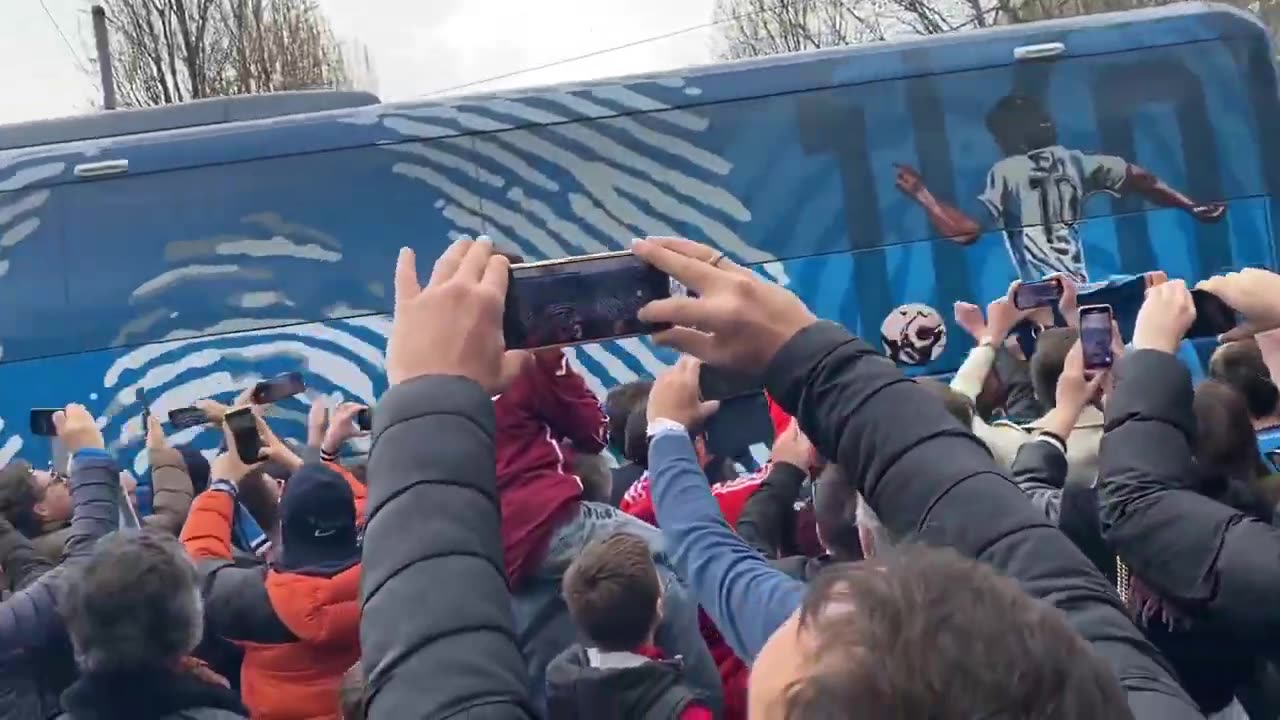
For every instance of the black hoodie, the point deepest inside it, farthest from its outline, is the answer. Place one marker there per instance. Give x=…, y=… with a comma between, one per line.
x=587, y=683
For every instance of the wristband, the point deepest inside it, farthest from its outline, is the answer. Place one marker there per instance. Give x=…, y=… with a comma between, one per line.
x=1055, y=438
x=327, y=456
x=225, y=486
x=663, y=425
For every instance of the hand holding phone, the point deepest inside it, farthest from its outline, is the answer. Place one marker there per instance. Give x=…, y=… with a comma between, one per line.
x=1096, y=337
x=1213, y=315
x=1038, y=294
x=42, y=424
x=579, y=300
x=242, y=424
x=278, y=388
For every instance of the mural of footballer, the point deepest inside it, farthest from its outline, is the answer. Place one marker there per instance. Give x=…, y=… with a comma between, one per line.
x=1038, y=191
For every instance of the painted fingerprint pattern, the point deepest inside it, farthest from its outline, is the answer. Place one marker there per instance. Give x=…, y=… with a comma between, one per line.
x=554, y=190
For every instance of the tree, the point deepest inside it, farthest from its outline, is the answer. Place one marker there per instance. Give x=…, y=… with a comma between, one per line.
x=167, y=51
x=752, y=28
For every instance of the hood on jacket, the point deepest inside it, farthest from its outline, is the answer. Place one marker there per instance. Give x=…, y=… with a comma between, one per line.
x=585, y=683
x=159, y=695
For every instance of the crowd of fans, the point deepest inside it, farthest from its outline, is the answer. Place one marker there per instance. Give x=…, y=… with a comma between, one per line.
x=1031, y=541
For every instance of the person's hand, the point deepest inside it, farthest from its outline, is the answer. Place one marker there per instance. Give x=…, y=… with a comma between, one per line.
x=1076, y=388
x=675, y=396
x=969, y=318
x=793, y=447
x=77, y=429
x=213, y=409
x=1209, y=212
x=1003, y=315
x=228, y=465
x=155, y=434
x=1069, y=303
x=908, y=180
x=342, y=427
x=1164, y=318
x=1253, y=293
x=453, y=326
x=275, y=449
x=317, y=422
x=738, y=320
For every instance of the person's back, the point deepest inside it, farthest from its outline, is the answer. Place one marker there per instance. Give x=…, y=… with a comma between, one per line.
x=614, y=596
x=538, y=491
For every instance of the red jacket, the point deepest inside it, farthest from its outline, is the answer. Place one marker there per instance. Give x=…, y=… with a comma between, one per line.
x=546, y=404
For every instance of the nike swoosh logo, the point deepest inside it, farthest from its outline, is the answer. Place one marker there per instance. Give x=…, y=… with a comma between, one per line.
x=324, y=533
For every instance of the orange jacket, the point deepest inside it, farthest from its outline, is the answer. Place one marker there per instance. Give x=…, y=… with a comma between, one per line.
x=300, y=633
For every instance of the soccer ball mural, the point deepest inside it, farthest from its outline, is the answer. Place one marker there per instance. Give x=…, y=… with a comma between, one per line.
x=913, y=334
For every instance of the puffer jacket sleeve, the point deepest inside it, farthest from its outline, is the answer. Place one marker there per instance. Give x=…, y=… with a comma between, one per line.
x=929, y=478
x=764, y=516
x=19, y=561
x=1039, y=470
x=1188, y=547
x=436, y=630
x=29, y=619
x=172, y=491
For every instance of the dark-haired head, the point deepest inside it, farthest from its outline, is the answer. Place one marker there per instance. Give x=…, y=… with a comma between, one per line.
x=636, y=443
x=1050, y=356
x=960, y=407
x=925, y=633
x=1240, y=364
x=1226, y=450
x=618, y=406
x=835, y=506
x=1020, y=124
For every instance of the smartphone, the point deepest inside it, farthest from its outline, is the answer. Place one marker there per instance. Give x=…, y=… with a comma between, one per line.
x=244, y=428
x=1041, y=293
x=740, y=422
x=141, y=399
x=579, y=300
x=278, y=388
x=187, y=417
x=719, y=384
x=1213, y=315
x=42, y=422
x=1095, y=336
x=364, y=419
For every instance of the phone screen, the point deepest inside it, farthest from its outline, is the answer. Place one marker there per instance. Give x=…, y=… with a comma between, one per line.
x=364, y=419
x=1213, y=315
x=1095, y=337
x=1041, y=293
x=278, y=388
x=146, y=408
x=719, y=384
x=244, y=428
x=188, y=417
x=42, y=422
x=565, y=302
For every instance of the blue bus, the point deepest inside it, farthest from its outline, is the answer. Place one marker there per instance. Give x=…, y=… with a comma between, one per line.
x=188, y=251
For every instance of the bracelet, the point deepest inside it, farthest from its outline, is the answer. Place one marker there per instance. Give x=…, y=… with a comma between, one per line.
x=327, y=456
x=1060, y=441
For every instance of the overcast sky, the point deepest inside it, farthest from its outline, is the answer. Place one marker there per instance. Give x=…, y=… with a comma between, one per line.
x=416, y=46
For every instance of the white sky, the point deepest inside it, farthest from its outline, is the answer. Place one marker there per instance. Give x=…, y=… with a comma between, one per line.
x=416, y=46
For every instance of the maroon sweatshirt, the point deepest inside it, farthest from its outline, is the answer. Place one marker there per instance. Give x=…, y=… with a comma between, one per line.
x=546, y=405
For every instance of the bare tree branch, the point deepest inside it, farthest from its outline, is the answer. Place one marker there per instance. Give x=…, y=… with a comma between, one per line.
x=169, y=51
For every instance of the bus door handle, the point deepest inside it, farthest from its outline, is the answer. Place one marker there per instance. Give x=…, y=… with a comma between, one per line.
x=102, y=169
x=1039, y=52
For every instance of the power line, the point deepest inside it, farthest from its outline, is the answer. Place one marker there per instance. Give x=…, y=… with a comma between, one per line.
x=75, y=57
x=604, y=51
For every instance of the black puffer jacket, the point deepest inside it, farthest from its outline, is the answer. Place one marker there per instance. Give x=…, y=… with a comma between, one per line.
x=436, y=631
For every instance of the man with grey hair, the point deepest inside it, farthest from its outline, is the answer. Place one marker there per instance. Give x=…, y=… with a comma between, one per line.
x=134, y=615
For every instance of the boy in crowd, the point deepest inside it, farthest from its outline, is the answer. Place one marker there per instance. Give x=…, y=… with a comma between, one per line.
x=615, y=598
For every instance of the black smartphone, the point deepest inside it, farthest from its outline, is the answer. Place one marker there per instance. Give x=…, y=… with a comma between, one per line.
x=579, y=300
x=187, y=417
x=1041, y=293
x=1213, y=315
x=244, y=428
x=740, y=422
x=146, y=409
x=364, y=419
x=278, y=388
x=1095, y=337
x=719, y=384
x=42, y=422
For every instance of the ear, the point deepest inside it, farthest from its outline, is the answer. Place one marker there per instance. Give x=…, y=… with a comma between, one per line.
x=42, y=510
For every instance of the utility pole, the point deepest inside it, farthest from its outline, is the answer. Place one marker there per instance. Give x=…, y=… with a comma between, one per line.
x=104, y=57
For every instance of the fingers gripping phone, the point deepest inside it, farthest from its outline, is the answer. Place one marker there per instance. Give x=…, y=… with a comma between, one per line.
x=1041, y=293
x=244, y=430
x=1213, y=315
x=1095, y=337
x=187, y=417
x=579, y=300
x=278, y=388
